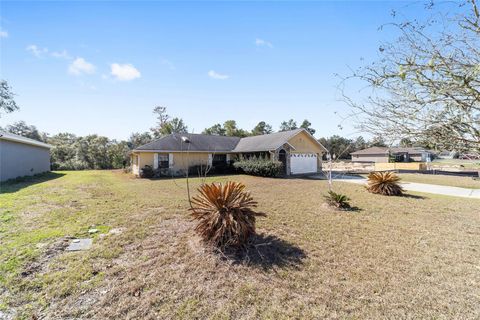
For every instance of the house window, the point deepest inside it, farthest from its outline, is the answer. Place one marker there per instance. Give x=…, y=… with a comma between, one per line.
x=219, y=159
x=163, y=161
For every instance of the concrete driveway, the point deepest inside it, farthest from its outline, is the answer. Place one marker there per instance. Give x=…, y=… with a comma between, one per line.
x=419, y=187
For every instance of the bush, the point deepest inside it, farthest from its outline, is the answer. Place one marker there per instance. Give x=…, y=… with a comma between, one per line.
x=199, y=170
x=260, y=167
x=224, y=213
x=337, y=200
x=147, y=172
x=384, y=183
x=72, y=164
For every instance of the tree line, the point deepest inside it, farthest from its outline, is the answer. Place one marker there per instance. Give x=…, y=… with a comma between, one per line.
x=72, y=152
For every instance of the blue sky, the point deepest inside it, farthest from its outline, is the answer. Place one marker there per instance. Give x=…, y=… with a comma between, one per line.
x=101, y=67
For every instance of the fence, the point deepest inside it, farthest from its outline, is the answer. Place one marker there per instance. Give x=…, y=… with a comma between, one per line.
x=400, y=166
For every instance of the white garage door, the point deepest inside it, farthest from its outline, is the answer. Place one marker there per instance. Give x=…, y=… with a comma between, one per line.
x=303, y=163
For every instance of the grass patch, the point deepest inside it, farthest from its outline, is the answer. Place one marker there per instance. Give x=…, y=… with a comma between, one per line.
x=443, y=180
x=308, y=261
x=458, y=163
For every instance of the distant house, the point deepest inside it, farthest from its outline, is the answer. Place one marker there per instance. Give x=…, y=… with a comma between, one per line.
x=20, y=156
x=384, y=154
x=298, y=150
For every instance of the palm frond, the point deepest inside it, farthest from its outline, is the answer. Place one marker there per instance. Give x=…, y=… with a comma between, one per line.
x=337, y=200
x=385, y=183
x=224, y=213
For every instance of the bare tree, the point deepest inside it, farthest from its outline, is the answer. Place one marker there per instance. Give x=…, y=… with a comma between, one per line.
x=7, y=102
x=426, y=84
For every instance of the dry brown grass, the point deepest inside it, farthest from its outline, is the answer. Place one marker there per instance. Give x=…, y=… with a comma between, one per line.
x=384, y=183
x=224, y=214
x=397, y=258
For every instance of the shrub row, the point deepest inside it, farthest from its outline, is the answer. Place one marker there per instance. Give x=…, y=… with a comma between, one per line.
x=260, y=167
x=194, y=171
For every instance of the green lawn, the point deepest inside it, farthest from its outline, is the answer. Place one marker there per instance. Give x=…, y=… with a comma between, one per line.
x=444, y=180
x=397, y=257
x=459, y=163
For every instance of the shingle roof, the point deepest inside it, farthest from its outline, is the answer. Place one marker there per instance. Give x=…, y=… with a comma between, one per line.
x=412, y=150
x=265, y=142
x=212, y=143
x=198, y=142
x=386, y=150
x=373, y=150
x=16, y=138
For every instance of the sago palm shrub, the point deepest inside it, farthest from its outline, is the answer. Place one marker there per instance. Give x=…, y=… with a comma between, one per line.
x=384, y=183
x=337, y=200
x=224, y=214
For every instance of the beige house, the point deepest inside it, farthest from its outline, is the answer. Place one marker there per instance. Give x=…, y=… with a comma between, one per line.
x=174, y=154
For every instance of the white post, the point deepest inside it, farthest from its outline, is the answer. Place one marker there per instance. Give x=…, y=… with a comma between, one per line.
x=138, y=164
x=210, y=159
x=228, y=158
x=170, y=160
x=155, y=161
x=329, y=158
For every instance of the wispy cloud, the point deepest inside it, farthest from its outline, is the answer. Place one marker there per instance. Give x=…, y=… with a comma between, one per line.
x=3, y=34
x=218, y=76
x=168, y=63
x=124, y=72
x=80, y=66
x=36, y=51
x=61, y=55
x=263, y=43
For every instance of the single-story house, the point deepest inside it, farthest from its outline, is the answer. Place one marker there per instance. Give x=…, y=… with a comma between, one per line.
x=384, y=154
x=20, y=156
x=298, y=150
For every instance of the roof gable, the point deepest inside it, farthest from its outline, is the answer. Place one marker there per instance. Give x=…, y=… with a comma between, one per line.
x=265, y=142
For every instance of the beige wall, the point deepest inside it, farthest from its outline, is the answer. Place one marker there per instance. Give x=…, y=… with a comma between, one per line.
x=140, y=160
x=303, y=143
x=181, y=161
x=400, y=166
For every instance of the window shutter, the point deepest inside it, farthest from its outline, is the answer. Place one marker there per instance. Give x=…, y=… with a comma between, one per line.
x=210, y=159
x=155, y=161
x=170, y=160
x=228, y=157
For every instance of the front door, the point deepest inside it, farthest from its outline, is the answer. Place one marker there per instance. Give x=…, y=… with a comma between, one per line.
x=282, y=157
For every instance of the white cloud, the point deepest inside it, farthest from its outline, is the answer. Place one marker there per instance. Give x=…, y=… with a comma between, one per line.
x=263, y=43
x=124, y=72
x=168, y=63
x=218, y=76
x=3, y=34
x=36, y=51
x=61, y=55
x=80, y=66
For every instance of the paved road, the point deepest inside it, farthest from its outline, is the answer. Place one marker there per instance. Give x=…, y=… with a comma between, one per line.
x=423, y=187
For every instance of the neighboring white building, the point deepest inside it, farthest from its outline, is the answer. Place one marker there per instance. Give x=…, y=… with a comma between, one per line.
x=20, y=156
